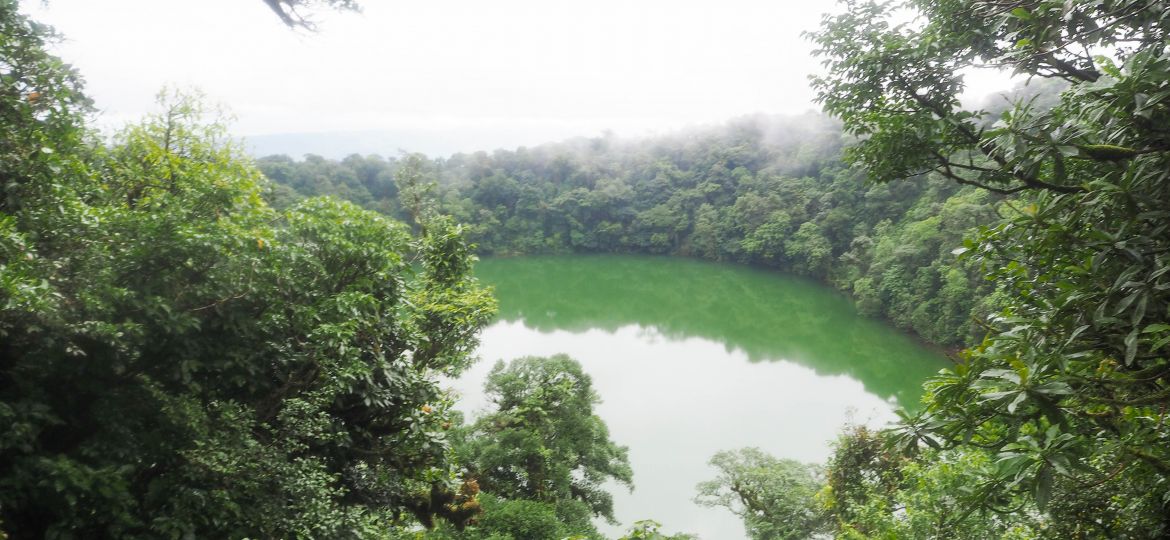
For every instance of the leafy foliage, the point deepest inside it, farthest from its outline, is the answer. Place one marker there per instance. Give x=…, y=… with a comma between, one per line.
x=875, y=493
x=760, y=191
x=179, y=359
x=544, y=443
x=774, y=497
x=1068, y=393
x=648, y=530
x=541, y=458
x=517, y=519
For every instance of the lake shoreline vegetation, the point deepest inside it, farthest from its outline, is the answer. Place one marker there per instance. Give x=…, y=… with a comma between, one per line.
x=737, y=193
x=197, y=344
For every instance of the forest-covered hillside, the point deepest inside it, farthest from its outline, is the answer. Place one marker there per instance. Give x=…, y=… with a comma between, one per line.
x=1052, y=422
x=767, y=191
x=194, y=344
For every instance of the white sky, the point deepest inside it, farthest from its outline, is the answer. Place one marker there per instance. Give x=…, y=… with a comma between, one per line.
x=549, y=66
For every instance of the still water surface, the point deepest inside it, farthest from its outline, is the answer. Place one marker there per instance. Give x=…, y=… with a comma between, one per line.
x=691, y=358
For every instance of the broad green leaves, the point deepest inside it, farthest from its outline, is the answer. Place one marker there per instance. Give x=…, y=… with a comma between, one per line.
x=178, y=359
x=1069, y=387
x=543, y=442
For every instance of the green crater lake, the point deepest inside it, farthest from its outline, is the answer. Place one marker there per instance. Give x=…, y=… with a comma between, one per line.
x=691, y=358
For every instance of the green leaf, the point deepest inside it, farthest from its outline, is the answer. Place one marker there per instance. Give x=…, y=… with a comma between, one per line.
x=1042, y=489
x=1016, y=402
x=1131, y=346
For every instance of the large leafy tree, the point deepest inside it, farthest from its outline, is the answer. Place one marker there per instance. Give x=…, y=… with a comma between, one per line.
x=774, y=497
x=648, y=529
x=544, y=442
x=866, y=490
x=177, y=359
x=873, y=492
x=1069, y=392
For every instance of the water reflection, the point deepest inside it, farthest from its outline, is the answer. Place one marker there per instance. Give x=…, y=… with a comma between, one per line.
x=691, y=358
x=767, y=316
x=675, y=402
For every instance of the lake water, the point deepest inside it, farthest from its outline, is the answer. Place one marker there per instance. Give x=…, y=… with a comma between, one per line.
x=691, y=358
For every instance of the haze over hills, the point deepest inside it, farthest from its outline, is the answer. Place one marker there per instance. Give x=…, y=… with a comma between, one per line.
x=389, y=142
x=442, y=141
x=198, y=343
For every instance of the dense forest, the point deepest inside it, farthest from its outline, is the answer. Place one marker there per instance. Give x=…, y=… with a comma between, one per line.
x=178, y=359
x=765, y=191
x=196, y=344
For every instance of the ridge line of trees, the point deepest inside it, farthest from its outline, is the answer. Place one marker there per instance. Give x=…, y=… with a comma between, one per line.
x=763, y=191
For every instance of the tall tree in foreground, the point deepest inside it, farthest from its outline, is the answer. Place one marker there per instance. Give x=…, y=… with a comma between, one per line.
x=1069, y=392
x=177, y=359
x=648, y=529
x=544, y=443
x=775, y=498
x=866, y=490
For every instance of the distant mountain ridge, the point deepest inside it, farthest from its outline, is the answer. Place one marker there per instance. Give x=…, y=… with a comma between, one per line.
x=336, y=145
x=433, y=142
x=444, y=141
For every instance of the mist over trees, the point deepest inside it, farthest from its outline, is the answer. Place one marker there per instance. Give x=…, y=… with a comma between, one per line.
x=764, y=191
x=193, y=344
x=1053, y=198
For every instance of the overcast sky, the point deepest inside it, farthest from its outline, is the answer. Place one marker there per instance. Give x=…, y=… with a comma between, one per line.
x=546, y=67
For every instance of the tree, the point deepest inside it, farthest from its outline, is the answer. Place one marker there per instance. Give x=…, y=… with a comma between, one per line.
x=675, y=196
x=810, y=248
x=543, y=442
x=289, y=10
x=1068, y=391
x=42, y=109
x=648, y=530
x=774, y=497
x=178, y=359
x=416, y=189
x=873, y=492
